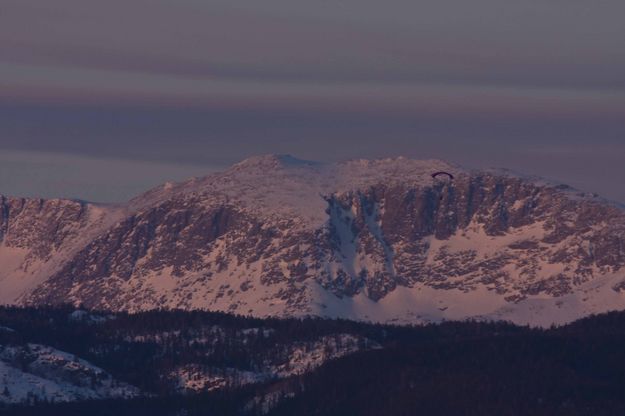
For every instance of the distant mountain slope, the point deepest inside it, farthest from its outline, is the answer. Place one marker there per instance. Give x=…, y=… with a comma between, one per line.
x=374, y=240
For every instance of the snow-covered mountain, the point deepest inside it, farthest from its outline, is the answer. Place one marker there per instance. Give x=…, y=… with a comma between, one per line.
x=375, y=240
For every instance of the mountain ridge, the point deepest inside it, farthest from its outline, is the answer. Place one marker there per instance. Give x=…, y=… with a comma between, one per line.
x=373, y=240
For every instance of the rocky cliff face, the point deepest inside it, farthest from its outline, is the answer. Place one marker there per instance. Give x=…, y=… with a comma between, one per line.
x=40, y=226
x=376, y=240
x=37, y=235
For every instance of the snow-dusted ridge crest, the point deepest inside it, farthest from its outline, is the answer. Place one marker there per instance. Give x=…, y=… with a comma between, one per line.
x=376, y=240
x=272, y=180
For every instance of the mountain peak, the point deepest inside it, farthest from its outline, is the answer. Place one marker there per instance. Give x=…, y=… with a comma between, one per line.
x=273, y=161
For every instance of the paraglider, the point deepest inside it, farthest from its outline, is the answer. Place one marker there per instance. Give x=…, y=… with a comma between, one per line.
x=442, y=179
x=443, y=173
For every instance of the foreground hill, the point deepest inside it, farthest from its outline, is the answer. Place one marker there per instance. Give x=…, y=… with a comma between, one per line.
x=373, y=240
x=197, y=363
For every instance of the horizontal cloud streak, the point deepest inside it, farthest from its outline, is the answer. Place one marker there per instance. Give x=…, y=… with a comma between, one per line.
x=535, y=44
x=67, y=84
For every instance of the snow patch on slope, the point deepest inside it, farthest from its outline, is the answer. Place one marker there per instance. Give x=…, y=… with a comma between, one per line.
x=37, y=372
x=296, y=358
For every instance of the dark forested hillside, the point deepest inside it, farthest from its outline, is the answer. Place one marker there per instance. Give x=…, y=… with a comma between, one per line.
x=199, y=363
